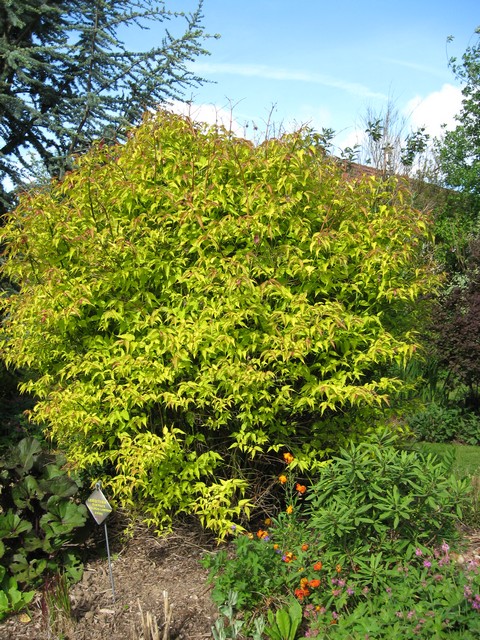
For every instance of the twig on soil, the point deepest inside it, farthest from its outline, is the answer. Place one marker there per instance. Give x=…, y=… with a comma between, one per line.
x=167, y=608
x=150, y=630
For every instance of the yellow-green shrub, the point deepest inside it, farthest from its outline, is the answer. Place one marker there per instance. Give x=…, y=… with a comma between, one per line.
x=190, y=301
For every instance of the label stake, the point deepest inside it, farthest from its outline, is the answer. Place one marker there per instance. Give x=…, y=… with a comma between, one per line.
x=100, y=509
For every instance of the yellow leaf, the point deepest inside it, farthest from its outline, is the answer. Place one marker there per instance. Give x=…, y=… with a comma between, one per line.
x=24, y=618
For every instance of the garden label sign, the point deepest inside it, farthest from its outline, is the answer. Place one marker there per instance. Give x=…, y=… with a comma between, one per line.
x=98, y=505
x=100, y=509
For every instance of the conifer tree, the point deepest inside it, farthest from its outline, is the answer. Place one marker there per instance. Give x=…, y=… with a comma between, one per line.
x=66, y=76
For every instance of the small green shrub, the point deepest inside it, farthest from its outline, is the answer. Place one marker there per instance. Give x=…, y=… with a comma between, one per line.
x=38, y=519
x=436, y=423
x=249, y=574
x=377, y=499
x=376, y=525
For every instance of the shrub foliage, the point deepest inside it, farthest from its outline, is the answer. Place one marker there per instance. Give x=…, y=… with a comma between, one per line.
x=190, y=302
x=456, y=334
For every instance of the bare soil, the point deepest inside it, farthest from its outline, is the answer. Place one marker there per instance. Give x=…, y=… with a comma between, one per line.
x=160, y=588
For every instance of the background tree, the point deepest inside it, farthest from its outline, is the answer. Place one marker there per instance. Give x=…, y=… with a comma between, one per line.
x=460, y=148
x=459, y=162
x=389, y=145
x=67, y=78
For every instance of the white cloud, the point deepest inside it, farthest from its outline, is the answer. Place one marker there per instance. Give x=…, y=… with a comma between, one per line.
x=306, y=116
x=210, y=114
x=274, y=73
x=316, y=117
x=436, y=109
x=349, y=139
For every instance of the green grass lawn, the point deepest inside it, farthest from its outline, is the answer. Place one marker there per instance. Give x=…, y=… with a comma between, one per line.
x=466, y=463
x=467, y=458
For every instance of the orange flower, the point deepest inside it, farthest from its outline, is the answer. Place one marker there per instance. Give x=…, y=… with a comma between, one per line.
x=317, y=566
x=304, y=583
x=338, y=568
x=301, y=593
x=275, y=546
x=301, y=488
x=289, y=509
x=288, y=557
x=282, y=479
x=267, y=522
x=314, y=583
x=304, y=547
x=288, y=457
x=262, y=534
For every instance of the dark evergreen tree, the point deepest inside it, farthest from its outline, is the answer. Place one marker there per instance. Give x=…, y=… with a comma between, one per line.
x=66, y=76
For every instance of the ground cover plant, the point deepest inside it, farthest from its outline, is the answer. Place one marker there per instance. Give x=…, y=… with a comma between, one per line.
x=38, y=520
x=371, y=559
x=190, y=303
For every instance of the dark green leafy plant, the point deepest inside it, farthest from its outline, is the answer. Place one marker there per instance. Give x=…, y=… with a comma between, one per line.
x=437, y=423
x=38, y=518
x=375, y=500
x=231, y=625
x=13, y=597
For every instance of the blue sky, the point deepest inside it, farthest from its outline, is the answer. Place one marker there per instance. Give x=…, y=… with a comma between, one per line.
x=325, y=63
